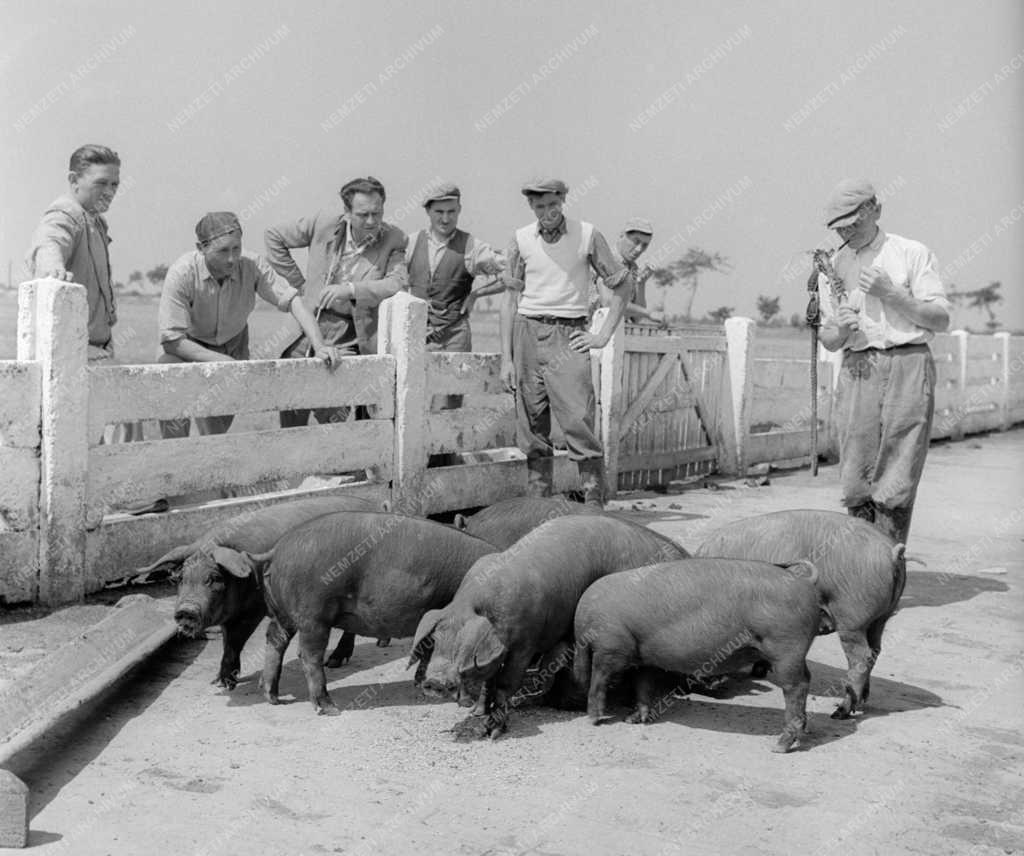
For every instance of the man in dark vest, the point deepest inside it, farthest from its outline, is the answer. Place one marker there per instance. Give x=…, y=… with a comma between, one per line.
x=443, y=261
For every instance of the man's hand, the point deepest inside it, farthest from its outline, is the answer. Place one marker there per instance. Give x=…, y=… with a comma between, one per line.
x=326, y=355
x=848, y=318
x=582, y=342
x=467, y=304
x=511, y=283
x=57, y=273
x=339, y=292
x=658, y=318
x=508, y=375
x=876, y=282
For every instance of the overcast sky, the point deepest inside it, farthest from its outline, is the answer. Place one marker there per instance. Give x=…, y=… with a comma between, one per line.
x=726, y=124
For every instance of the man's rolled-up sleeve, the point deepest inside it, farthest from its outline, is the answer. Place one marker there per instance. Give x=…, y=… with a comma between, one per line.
x=284, y=237
x=271, y=287
x=174, y=315
x=612, y=272
x=926, y=283
x=482, y=259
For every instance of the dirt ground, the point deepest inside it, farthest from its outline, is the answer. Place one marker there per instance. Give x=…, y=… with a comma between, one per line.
x=168, y=764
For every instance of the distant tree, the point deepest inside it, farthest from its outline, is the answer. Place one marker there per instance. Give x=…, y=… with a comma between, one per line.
x=720, y=314
x=986, y=298
x=663, y=277
x=689, y=268
x=796, y=320
x=157, y=275
x=768, y=307
x=135, y=276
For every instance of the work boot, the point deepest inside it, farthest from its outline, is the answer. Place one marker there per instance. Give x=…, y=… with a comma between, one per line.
x=894, y=522
x=539, y=474
x=592, y=481
x=865, y=511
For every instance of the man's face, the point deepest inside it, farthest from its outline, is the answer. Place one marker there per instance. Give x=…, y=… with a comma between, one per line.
x=94, y=189
x=547, y=208
x=222, y=254
x=861, y=231
x=444, y=216
x=633, y=244
x=366, y=216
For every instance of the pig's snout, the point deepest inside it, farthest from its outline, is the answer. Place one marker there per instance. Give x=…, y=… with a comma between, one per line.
x=440, y=686
x=189, y=618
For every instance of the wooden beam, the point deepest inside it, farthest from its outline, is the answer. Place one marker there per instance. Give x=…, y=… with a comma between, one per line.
x=463, y=373
x=19, y=405
x=469, y=429
x=666, y=460
x=647, y=393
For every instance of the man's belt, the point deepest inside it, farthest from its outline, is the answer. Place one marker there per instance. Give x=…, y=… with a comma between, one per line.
x=579, y=321
x=890, y=348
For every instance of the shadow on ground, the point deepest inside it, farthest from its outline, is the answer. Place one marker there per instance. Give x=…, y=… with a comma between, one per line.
x=925, y=588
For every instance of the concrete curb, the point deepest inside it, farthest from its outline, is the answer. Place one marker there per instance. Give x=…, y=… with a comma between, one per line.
x=69, y=677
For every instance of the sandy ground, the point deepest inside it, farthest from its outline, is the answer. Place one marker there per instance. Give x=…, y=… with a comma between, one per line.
x=168, y=764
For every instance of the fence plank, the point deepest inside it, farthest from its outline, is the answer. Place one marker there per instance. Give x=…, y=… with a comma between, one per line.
x=21, y=383
x=19, y=565
x=672, y=344
x=469, y=429
x=778, y=446
x=472, y=485
x=666, y=460
x=130, y=472
x=124, y=393
x=639, y=404
x=19, y=488
x=463, y=373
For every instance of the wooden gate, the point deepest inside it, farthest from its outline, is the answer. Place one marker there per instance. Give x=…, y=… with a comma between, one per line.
x=673, y=386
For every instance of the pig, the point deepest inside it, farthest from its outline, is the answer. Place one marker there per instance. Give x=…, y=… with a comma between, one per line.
x=862, y=575
x=207, y=596
x=700, y=616
x=507, y=521
x=517, y=605
x=369, y=573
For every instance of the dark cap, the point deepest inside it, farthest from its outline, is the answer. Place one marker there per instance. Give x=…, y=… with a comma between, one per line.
x=845, y=199
x=545, y=185
x=445, y=190
x=216, y=224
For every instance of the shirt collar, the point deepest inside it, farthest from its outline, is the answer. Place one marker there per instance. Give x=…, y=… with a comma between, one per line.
x=433, y=239
x=555, y=232
x=345, y=226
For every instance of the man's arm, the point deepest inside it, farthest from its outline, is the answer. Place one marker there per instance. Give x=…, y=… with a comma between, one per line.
x=275, y=291
x=928, y=312
x=52, y=244
x=617, y=279
x=370, y=292
x=509, y=307
x=284, y=237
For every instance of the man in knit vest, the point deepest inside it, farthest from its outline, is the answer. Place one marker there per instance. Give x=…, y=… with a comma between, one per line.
x=545, y=345
x=443, y=261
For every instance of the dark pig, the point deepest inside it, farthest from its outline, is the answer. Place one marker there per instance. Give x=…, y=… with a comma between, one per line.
x=702, y=617
x=517, y=605
x=862, y=576
x=505, y=522
x=208, y=595
x=373, y=574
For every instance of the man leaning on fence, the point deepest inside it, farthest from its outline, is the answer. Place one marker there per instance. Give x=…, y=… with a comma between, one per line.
x=893, y=305
x=545, y=345
x=356, y=261
x=71, y=243
x=633, y=242
x=208, y=295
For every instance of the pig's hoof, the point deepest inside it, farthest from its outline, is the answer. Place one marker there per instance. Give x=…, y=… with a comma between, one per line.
x=784, y=744
x=841, y=712
x=334, y=662
x=271, y=698
x=638, y=718
x=383, y=642
x=228, y=682
x=328, y=710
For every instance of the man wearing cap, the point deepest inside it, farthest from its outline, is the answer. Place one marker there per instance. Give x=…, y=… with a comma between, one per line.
x=443, y=261
x=208, y=295
x=356, y=261
x=633, y=241
x=890, y=306
x=545, y=344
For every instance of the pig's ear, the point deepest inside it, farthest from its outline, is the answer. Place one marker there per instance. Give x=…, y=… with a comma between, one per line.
x=479, y=648
x=238, y=564
x=460, y=522
x=423, y=641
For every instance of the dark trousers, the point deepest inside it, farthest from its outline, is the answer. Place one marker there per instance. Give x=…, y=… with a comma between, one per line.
x=552, y=378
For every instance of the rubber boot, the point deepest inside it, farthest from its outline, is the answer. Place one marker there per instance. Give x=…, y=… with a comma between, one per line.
x=865, y=511
x=539, y=474
x=894, y=522
x=592, y=481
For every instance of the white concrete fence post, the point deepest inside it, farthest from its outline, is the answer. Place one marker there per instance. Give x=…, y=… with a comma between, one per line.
x=960, y=337
x=52, y=318
x=610, y=358
x=402, y=333
x=1005, y=399
x=739, y=339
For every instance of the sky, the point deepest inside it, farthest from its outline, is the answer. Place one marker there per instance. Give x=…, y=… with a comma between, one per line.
x=726, y=124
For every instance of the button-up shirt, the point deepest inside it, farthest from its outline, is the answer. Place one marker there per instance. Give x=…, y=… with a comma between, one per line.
x=913, y=270
x=480, y=259
x=194, y=304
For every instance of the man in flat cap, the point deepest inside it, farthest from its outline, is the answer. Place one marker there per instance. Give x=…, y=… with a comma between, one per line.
x=545, y=344
x=633, y=242
x=208, y=295
x=356, y=261
x=443, y=261
x=890, y=306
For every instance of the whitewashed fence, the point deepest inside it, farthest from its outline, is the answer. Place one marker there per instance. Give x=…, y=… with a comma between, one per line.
x=59, y=481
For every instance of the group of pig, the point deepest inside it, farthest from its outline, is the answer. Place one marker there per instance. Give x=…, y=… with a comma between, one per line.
x=532, y=592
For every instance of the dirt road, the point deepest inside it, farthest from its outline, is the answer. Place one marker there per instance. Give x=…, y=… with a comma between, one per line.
x=168, y=764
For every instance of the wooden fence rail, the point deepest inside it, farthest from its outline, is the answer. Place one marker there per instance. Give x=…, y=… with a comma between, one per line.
x=671, y=404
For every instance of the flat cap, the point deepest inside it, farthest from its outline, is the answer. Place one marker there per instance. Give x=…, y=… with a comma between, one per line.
x=216, y=224
x=639, y=224
x=445, y=190
x=845, y=199
x=545, y=185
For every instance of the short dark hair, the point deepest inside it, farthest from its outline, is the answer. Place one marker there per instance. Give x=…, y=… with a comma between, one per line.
x=366, y=185
x=85, y=156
